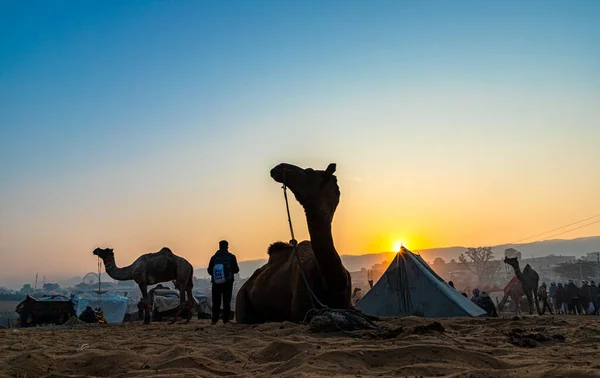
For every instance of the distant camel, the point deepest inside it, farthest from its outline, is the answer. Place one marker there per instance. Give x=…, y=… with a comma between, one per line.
x=152, y=268
x=529, y=280
x=276, y=292
x=515, y=292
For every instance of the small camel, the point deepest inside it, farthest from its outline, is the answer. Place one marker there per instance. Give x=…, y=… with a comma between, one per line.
x=152, y=268
x=276, y=292
x=529, y=280
x=515, y=292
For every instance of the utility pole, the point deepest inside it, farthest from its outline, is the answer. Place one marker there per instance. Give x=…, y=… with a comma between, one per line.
x=597, y=260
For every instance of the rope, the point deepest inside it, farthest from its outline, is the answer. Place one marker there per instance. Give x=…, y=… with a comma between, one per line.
x=100, y=281
x=325, y=310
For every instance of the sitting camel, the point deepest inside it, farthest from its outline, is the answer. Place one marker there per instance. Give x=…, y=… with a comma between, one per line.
x=152, y=268
x=276, y=292
x=515, y=293
x=529, y=281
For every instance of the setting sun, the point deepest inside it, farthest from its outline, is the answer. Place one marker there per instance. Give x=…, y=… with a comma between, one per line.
x=397, y=245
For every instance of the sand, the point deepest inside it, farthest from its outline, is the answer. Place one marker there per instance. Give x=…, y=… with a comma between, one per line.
x=466, y=348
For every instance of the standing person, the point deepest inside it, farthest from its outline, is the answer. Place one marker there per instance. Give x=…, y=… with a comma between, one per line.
x=552, y=296
x=561, y=299
x=543, y=296
x=222, y=267
x=585, y=298
x=594, y=297
x=573, y=298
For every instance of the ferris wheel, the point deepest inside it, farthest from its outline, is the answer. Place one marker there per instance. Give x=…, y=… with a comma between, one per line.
x=91, y=278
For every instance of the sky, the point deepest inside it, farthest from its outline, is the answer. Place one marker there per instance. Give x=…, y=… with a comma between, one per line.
x=142, y=124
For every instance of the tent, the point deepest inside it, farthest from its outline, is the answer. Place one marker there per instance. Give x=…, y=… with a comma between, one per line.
x=44, y=309
x=114, y=306
x=410, y=287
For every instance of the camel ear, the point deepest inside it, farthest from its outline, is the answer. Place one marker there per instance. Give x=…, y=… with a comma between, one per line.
x=330, y=169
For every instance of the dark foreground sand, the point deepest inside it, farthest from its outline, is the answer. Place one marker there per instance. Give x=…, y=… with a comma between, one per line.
x=467, y=348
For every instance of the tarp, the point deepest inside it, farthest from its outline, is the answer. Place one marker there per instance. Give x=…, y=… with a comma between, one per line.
x=410, y=287
x=114, y=306
x=166, y=299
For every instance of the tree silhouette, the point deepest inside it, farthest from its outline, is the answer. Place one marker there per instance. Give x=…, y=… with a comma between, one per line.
x=479, y=261
x=577, y=269
x=439, y=261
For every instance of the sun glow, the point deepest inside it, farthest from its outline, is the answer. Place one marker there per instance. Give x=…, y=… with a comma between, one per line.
x=397, y=245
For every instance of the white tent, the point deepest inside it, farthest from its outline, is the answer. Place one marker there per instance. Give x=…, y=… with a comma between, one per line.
x=113, y=306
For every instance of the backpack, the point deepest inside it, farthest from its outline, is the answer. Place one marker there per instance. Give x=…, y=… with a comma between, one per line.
x=221, y=269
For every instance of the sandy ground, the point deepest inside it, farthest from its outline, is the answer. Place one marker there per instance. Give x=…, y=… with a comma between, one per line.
x=466, y=348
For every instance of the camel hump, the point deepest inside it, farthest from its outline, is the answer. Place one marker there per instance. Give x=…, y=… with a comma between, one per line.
x=278, y=247
x=166, y=250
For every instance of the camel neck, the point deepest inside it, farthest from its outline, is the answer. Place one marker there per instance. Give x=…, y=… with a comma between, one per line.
x=321, y=240
x=517, y=272
x=119, y=274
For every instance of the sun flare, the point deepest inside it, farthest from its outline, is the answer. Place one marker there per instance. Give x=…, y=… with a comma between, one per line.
x=397, y=245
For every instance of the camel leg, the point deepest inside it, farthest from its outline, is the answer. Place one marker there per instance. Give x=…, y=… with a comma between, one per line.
x=182, y=303
x=191, y=302
x=529, y=301
x=244, y=311
x=144, y=290
x=301, y=305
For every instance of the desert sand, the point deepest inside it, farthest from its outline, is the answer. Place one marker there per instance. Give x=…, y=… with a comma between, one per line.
x=463, y=348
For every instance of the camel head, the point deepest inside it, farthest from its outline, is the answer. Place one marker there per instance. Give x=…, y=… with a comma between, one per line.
x=312, y=188
x=512, y=261
x=104, y=253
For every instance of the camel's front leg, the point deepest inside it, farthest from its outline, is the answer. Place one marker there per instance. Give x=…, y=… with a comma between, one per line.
x=182, y=303
x=144, y=290
x=529, y=301
x=191, y=303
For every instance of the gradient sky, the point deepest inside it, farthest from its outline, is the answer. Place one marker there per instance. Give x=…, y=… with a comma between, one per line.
x=143, y=124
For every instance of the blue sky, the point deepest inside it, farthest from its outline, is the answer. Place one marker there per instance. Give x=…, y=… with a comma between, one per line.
x=114, y=112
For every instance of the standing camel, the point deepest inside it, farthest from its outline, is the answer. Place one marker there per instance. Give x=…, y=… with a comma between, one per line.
x=277, y=292
x=152, y=268
x=515, y=292
x=529, y=280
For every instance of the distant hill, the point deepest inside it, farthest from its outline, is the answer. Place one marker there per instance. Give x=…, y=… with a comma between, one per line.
x=558, y=247
x=573, y=247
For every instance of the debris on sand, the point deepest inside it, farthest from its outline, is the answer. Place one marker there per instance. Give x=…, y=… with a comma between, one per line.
x=336, y=320
x=389, y=333
x=73, y=320
x=525, y=339
x=435, y=326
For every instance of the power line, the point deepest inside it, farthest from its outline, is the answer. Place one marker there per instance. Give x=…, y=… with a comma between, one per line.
x=573, y=229
x=559, y=228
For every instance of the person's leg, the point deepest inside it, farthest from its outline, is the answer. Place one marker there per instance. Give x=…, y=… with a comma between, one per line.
x=227, y=293
x=216, y=301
